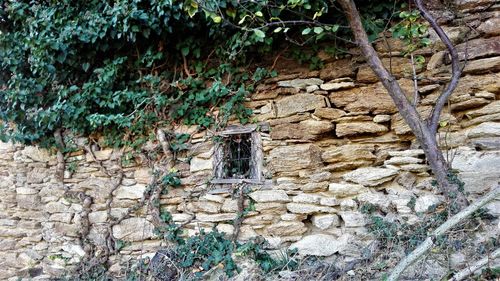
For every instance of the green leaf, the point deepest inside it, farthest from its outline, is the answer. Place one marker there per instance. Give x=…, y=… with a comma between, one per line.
x=318, y=29
x=306, y=31
x=259, y=14
x=85, y=66
x=217, y=19
x=278, y=29
x=259, y=33
x=335, y=27
x=185, y=51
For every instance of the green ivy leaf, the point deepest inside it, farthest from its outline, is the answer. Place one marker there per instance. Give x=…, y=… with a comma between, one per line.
x=306, y=31
x=318, y=29
x=259, y=33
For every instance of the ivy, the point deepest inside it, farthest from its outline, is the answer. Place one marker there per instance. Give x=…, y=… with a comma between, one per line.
x=121, y=69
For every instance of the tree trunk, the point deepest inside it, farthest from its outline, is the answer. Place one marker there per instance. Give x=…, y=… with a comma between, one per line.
x=419, y=127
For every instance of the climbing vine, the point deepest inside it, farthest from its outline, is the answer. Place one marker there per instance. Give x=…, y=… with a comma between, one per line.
x=122, y=69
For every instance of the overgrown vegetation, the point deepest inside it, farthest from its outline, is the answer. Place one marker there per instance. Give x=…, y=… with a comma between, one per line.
x=123, y=68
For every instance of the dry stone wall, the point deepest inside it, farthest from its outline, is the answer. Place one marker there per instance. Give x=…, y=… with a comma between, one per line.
x=335, y=142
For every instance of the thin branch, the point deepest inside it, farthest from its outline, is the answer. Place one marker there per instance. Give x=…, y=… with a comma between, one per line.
x=461, y=275
x=451, y=222
x=456, y=72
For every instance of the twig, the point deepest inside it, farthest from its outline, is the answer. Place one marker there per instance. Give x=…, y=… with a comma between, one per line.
x=451, y=222
x=461, y=275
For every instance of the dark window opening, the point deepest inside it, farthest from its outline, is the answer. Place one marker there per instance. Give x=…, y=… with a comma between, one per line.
x=237, y=157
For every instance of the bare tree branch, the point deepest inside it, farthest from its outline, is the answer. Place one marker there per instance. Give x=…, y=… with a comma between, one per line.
x=429, y=242
x=456, y=71
x=425, y=136
x=461, y=275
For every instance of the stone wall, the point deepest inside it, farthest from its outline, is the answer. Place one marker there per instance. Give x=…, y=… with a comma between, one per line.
x=335, y=142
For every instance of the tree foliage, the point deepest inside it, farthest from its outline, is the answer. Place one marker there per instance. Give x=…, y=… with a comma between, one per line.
x=121, y=68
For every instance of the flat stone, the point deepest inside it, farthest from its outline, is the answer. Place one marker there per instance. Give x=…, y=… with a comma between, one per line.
x=424, y=202
x=204, y=206
x=325, y=221
x=200, y=164
x=130, y=192
x=307, y=198
x=216, y=217
x=374, y=198
x=181, y=217
x=402, y=160
x=415, y=168
x=314, y=186
x=329, y=201
x=478, y=169
x=372, y=99
x=269, y=196
x=329, y=113
x=492, y=108
x=353, y=219
x=406, y=153
x=336, y=86
x=381, y=118
x=370, y=176
x=358, y=128
x=298, y=103
x=318, y=245
x=490, y=26
x=133, y=229
x=300, y=83
x=487, y=129
x=397, y=65
x=468, y=104
x=346, y=189
x=301, y=208
x=482, y=66
x=32, y=153
x=287, y=228
x=143, y=175
x=295, y=157
x=479, y=48
x=344, y=153
x=306, y=130
x=339, y=68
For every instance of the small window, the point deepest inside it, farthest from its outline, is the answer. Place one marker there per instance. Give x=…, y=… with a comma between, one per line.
x=238, y=156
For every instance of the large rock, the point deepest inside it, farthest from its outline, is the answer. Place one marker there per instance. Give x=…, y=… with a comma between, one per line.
x=298, y=103
x=306, y=130
x=371, y=176
x=334, y=86
x=346, y=189
x=269, y=196
x=318, y=245
x=478, y=169
x=359, y=128
x=374, y=99
x=33, y=154
x=133, y=229
x=295, y=157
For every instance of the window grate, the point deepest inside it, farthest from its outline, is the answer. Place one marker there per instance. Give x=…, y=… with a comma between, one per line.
x=237, y=158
